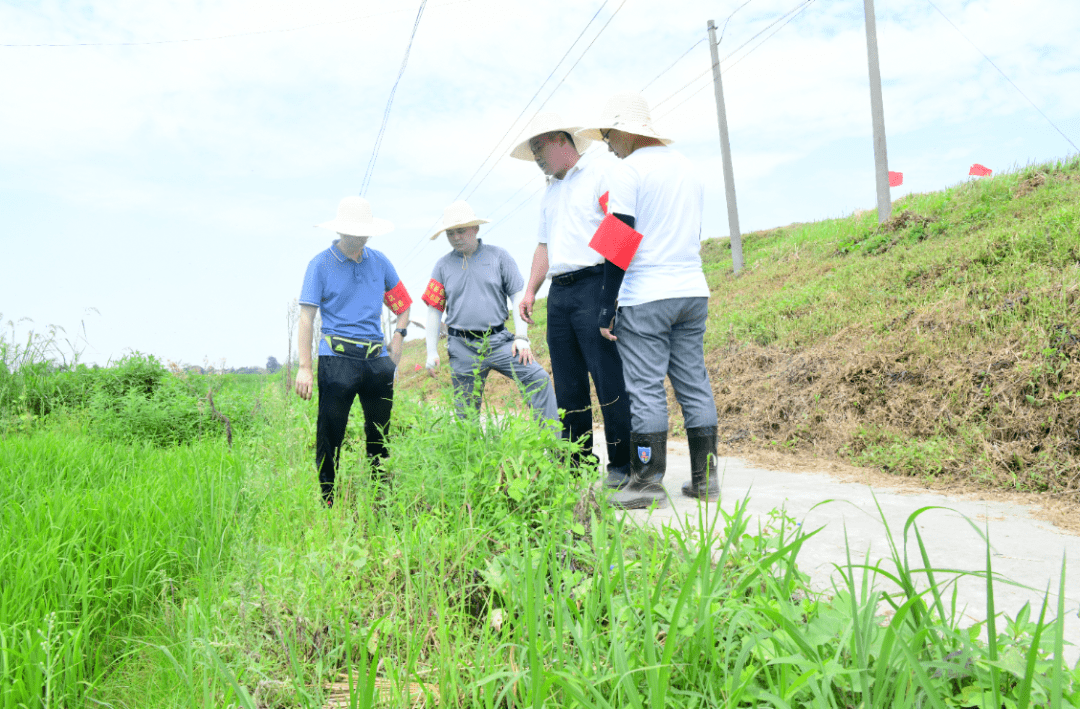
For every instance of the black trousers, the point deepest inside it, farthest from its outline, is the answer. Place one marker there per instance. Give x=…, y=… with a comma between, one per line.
x=341, y=380
x=577, y=351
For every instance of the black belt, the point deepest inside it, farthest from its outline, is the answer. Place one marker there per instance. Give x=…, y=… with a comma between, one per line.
x=565, y=279
x=475, y=334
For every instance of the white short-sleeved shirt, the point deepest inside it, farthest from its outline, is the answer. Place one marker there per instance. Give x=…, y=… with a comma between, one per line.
x=658, y=187
x=570, y=214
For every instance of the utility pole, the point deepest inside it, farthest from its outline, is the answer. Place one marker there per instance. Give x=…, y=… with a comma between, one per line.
x=881, y=159
x=725, y=151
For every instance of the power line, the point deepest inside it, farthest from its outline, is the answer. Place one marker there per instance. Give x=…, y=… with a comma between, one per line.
x=390, y=101
x=794, y=10
x=529, y=103
x=732, y=65
x=233, y=35
x=539, y=108
x=574, y=66
x=515, y=210
x=722, y=30
x=672, y=64
x=516, y=193
x=1003, y=74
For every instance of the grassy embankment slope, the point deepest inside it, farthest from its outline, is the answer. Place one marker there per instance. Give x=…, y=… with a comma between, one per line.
x=943, y=344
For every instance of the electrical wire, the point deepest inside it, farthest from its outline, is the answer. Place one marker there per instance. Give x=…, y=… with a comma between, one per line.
x=539, y=108
x=672, y=64
x=732, y=65
x=227, y=36
x=722, y=30
x=529, y=103
x=792, y=12
x=530, y=181
x=1006, y=76
x=514, y=211
x=390, y=101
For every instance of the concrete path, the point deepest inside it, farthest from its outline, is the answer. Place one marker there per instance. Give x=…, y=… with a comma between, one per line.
x=1023, y=548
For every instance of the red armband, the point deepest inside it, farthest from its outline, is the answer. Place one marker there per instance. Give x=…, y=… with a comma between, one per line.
x=397, y=299
x=603, y=202
x=435, y=295
x=616, y=241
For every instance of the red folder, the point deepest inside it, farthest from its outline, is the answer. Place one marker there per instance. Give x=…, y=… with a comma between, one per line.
x=616, y=241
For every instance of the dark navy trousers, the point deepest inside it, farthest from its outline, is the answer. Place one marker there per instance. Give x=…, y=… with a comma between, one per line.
x=578, y=351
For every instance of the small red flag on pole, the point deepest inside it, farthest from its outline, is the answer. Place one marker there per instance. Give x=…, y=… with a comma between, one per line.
x=980, y=170
x=895, y=178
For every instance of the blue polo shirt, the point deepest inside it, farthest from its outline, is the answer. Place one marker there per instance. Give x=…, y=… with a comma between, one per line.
x=349, y=294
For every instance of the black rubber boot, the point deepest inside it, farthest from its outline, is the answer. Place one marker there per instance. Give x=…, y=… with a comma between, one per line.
x=617, y=477
x=704, y=483
x=648, y=463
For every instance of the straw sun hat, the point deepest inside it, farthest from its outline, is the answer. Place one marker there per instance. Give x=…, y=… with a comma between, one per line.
x=627, y=112
x=457, y=215
x=547, y=123
x=354, y=219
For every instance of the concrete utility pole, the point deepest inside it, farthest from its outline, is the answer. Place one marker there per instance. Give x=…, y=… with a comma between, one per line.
x=881, y=159
x=725, y=151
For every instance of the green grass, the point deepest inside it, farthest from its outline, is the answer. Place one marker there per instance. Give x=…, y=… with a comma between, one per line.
x=143, y=575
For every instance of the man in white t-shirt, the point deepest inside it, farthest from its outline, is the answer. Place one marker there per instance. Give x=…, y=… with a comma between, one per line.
x=651, y=245
x=570, y=212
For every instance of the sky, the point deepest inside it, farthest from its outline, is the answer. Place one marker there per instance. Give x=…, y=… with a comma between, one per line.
x=161, y=173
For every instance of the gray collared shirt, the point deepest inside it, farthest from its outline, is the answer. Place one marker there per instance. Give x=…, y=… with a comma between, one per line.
x=477, y=287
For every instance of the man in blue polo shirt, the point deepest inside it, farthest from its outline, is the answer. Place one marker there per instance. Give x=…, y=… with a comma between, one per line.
x=349, y=283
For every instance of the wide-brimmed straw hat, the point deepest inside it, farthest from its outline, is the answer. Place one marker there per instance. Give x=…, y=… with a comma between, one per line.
x=547, y=123
x=457, y=215
x=354, y=219
x=627, y=112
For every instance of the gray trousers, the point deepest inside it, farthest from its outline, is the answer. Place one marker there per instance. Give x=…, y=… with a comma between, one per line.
x=471, y=357
x=665, y=338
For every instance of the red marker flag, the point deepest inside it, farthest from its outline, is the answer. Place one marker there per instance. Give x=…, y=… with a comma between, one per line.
x=616, y=241
x=895, y=178
x=980, y=170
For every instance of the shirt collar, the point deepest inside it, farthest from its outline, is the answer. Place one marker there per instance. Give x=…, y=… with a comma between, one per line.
x=340, y=255
x=479, y=245
x=581, y=164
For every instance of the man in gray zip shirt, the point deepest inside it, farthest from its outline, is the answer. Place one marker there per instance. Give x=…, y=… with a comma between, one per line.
x=472, y=285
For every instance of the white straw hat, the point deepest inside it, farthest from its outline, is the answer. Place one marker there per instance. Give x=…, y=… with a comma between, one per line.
x=458, y=214
x=627, y=112
x=354, y=219
x=547, y=123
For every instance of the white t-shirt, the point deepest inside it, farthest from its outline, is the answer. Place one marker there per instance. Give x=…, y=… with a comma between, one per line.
x=657, y=186
x=570, y=214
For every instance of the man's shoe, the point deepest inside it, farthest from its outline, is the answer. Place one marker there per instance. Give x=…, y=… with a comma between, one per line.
x=617, y=477
x=648, y=463
x=704, y=483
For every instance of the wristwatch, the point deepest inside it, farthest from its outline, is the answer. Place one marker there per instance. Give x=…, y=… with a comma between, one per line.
x=402, y=331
